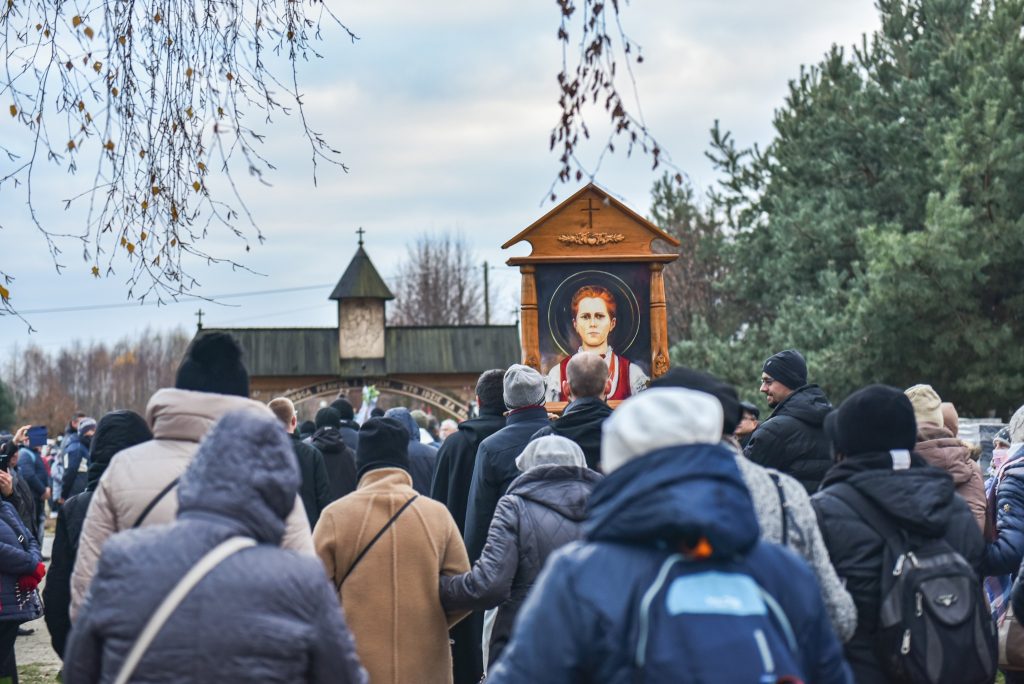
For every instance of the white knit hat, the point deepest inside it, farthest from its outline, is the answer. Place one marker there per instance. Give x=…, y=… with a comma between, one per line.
x=659, y=418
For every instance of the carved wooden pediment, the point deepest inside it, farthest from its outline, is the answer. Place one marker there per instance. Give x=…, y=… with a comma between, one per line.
x=591, y=225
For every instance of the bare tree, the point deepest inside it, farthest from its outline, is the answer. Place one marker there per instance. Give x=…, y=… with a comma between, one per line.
x=95, y=378
x=439, y=283
x=156, y=95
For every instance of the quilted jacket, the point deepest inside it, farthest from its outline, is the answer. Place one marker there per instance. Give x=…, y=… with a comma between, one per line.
x=543, y=510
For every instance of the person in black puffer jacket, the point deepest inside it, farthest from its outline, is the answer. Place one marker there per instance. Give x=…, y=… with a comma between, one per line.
x=116, y=430
x=543, y=510
x=792, y=439
x=263, y=614
x=873, y=432
x=339, y=459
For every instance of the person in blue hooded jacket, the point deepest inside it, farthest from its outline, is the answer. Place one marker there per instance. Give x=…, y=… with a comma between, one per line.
x=669, y=485
x=264, y=614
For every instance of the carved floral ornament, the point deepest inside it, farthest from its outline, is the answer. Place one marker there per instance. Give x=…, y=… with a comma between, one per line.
x=590, y=238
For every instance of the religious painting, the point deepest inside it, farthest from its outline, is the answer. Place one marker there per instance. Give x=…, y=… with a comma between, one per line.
x=599, y=307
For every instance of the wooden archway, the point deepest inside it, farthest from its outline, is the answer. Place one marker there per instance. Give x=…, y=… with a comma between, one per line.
x=445, y=403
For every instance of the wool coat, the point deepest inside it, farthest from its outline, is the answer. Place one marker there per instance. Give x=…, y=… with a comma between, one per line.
x=392, y=598
x=179, y=420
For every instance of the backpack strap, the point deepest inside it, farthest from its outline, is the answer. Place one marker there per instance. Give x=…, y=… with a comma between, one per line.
x=373, y=541
x=868, y=512
x=208, y=562
x=155, y=500
x=782, y=506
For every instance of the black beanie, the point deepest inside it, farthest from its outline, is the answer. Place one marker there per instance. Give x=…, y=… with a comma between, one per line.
x=688, y=378
x=116, y=431
x=307, y=427
x=383, y=443
x=875, y=418
x=213, y=363
x=788, y=367
x=327, y=417
x=344, y=408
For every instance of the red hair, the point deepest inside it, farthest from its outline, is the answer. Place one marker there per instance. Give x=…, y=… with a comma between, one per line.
x=593, y=292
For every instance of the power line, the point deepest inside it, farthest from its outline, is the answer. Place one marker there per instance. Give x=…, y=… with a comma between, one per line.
x=182, y=300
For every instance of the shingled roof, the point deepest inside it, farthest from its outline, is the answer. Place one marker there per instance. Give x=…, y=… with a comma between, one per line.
x=409, y=350
x=361, y=279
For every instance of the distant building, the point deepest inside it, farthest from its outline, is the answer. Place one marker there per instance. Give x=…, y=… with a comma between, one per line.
x=437, y=365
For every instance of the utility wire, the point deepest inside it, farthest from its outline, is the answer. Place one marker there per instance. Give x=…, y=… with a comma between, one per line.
x=182, y=300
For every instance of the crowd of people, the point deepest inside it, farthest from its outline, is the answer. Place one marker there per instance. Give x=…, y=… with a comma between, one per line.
x=674, y=537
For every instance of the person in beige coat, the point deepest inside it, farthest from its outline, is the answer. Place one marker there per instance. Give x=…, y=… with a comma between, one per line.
x=941, y=448
x=138, y=486
x=385, y=548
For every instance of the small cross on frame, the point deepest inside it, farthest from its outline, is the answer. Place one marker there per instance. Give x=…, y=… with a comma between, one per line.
x=361, y=233
x=199, y=316
x=590, y=209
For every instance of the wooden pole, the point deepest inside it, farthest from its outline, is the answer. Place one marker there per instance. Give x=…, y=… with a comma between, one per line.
x=659, y=322
x=528, y=319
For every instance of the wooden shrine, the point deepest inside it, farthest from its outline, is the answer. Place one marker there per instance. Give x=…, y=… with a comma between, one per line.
x=593, y=282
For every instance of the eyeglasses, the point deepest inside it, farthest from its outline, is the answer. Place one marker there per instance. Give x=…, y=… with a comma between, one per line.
x=766, y=381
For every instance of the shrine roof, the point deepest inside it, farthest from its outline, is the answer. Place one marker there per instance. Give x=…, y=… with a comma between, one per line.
x=408, y=350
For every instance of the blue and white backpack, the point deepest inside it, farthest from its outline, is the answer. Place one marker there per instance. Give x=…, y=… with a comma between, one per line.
x=709, y=621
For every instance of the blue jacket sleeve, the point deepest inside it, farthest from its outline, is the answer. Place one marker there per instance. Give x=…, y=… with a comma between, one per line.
x=551, y=633
x=16, y=560
x=333, y=658
x=1003, y=556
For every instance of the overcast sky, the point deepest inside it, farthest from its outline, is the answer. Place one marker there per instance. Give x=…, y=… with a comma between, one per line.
x=442, y=111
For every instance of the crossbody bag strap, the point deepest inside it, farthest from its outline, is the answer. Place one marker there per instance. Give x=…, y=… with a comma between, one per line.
x=373, y=541
x=782, y=507
x=155, y=500
x=167, y=607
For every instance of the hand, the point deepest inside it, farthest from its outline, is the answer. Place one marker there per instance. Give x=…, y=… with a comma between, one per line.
x=6, y=483
x=21, y=436
x=46, y=494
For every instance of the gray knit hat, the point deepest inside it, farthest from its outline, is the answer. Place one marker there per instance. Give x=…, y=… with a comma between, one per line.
x=522, y=386
x=86, y=424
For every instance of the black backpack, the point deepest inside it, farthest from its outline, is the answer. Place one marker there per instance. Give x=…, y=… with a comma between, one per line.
x=934, y=626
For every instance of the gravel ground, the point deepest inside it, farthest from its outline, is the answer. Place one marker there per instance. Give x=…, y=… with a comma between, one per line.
x=37, y=661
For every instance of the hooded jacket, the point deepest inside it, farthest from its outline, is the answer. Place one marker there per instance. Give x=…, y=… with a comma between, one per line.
x=179, y=420
x=115, y=432
x=792, y=439
x=495, y=469
x=339, y=460
x=453, y=473
x=578, y=623
x=581, y=422
x=1003, y=554
x=543, y=510
x=422, y=457
x=392, y=595
x=920, y=500
x=264, y=614
x=940, y=448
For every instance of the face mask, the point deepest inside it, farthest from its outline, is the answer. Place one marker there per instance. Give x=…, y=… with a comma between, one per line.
x=999, y=457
